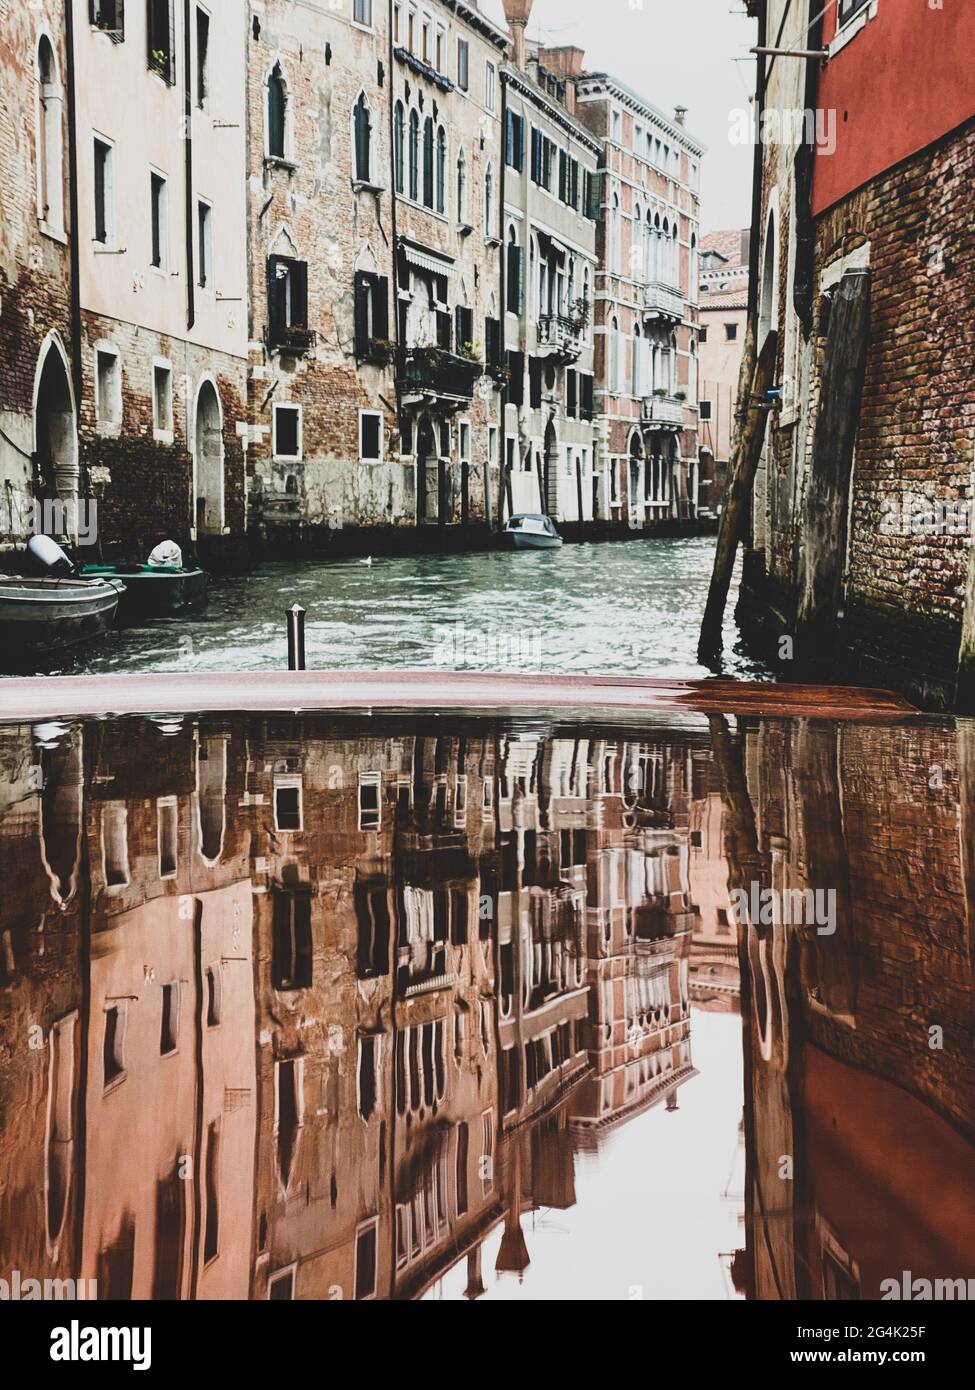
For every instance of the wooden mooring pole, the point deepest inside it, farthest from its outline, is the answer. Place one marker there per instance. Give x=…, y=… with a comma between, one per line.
x=296, y=638
x=735, y=515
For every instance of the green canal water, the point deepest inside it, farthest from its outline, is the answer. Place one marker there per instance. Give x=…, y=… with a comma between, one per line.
x=630, y=608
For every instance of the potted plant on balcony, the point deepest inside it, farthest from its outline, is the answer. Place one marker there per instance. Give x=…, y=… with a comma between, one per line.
x=159, y=62
x=579, y=314
x=680, y=395
x=381, y=352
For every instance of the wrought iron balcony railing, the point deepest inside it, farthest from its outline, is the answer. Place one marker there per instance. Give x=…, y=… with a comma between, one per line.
x=435, y=371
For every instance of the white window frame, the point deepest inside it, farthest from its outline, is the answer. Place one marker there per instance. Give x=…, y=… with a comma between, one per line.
x=367, y=26
x=464, y=444
x=490, y=87
x=371, y=779
x=288, y=405
x=289, y=782
x=163, y=433
x=204, y=248
x=111, y=225
x=164, y=265
x=378, y=414
x=164, y=806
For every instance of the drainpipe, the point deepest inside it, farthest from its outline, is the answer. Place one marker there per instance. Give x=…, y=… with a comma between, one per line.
x=77, y=376
x=188, y=160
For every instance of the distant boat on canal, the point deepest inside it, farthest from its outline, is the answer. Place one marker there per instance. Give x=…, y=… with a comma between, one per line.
x=532, y=531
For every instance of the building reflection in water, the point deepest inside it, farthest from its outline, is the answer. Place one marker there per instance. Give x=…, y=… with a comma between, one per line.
x=304, y=1008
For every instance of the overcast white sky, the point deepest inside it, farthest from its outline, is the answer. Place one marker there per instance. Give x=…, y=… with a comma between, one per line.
x=673, y=53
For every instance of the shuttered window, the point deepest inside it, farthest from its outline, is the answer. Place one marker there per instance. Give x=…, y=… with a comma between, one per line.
x=371, y=312
x=287, y=296
x=161, y=37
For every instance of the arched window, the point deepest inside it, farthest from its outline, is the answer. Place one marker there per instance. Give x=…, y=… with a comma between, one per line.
x=614, y=234
x=277, y=114
x=693, y=277
x=399, y=143
x=414, y=155
x=638, y=268
x=462, y=216
x=768, y=302
x=658, y=270
x=637, y=365
x=675, y=257
x=614, y=355
x=428, y=162
x=441, y=170
x=362, y=125
x=50, y=171
x=489, y=201
x=571, y=285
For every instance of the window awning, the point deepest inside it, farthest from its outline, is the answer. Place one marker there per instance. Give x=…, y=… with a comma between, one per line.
x=548, y=246
x=429, y=261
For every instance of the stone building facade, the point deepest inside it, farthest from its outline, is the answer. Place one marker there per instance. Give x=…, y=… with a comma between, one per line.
x=39, y=351
x=646, y=317
x=550, y=213
x=724, y=274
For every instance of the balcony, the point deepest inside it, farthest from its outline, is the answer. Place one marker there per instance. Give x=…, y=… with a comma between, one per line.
x=435, y=373
x=294, y=341
x=663, y=302
x=666, y=412
x=560, y=336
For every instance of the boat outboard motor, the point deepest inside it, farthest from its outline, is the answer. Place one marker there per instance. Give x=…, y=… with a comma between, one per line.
x=47, y=557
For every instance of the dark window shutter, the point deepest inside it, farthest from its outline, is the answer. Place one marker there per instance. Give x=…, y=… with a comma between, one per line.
x=586, y=385
x=516, y=375
x=509, y=138
x=275, y=299
x=514, y=279
x=563, y=176
x=361, y=313
x=380, y=308
x=535, y=369
x=428, y=163
x=492, y=342
x=299, y=294
x=172, y=43
x=536, y=155
x=520, y=143
x=571, y=382
x=443, y=329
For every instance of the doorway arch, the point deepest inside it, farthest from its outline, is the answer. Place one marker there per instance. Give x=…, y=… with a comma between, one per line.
x=637, y=459
x=549, y=494
x=209, y=458
x=55, y=427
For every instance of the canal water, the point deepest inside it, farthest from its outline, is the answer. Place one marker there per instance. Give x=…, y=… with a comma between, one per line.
x=465, y=1007
x=629, y=608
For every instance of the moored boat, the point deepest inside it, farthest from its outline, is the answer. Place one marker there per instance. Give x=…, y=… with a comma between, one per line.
x=532, y=531
x=154, y=590
x=57, y=611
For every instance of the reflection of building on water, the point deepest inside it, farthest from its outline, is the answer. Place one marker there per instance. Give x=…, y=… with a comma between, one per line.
x=290, y=1010
x=462, y=954
x=859, y=1127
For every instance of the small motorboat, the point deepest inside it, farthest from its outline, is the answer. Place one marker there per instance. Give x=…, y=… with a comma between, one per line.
x=56, y=609
x=532, y=531
x=159, y=588
x=153, y=591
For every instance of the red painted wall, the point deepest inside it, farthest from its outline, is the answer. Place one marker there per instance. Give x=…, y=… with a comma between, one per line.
x=902, y=82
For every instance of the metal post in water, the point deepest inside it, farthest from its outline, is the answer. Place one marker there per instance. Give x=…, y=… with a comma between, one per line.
x=296, y=638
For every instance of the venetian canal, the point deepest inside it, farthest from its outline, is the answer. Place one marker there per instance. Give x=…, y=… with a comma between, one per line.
x=629, y=608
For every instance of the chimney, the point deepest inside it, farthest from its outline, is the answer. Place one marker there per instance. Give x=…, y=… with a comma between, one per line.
x=566, y=63
x=680, y=115
x=518, y=13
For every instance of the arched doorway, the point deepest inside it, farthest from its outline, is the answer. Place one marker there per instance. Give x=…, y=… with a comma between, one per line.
x=549, y=492
x=209, y=461
x=426, y=449
x=55, y=438
x=636, y=496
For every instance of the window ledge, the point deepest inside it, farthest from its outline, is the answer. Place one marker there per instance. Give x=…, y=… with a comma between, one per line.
x=852, y=27
x=108, y=429
x=367, y=186
x=57, y=234
x=163, y=436
x=277, y=161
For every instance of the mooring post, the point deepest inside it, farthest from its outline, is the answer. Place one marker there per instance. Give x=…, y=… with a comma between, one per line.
x=296, y=638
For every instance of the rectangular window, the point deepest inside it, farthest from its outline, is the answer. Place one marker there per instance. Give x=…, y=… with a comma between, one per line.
x=464, y=441
x=204, y=218
x=463, y=65
x=108, y=15
x=366, y=1260
x=492, y=444
x=167, y=815
x=108, y=386
x=571, y=393
x=281, y=1286
x=162, y=401
x=113, y=1046
x=362, y=13
x=160, y=220
x=288, y=803
x=211, y=1228
x=287, y=304
x=115, y=844
x=490, y=87
x=370, y=436
x=169, y=1031
x=104, y=192
x=371, y=316
x=731, y=332
x=214, y=984
x=161, y=35
x=702, y=334
x=202, y=57
x=705, y=408
x=370, y=803
x=291, y=952
x=515, y=141
x=287, y=431
x=516, y=379
x=439, y=55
